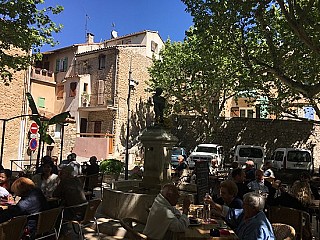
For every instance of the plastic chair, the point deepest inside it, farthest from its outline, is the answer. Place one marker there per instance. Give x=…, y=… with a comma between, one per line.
x=132, y=233
x=13, y=229
x=283, y=231
x=88, y=219
x=46, y=224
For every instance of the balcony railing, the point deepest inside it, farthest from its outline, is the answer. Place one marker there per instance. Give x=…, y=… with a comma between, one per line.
x=42, y=75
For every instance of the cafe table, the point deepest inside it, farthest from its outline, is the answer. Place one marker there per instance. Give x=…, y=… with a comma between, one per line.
x=202, y=231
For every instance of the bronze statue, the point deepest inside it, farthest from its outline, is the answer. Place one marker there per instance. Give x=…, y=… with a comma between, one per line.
x=159, y=104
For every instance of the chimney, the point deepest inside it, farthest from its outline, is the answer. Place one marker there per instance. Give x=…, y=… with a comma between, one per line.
x=90, y=38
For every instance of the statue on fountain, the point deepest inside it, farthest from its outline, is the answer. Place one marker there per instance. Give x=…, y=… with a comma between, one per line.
x=159, y=104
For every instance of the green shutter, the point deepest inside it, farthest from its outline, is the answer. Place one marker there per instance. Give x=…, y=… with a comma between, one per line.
x=41, y=102
x=65, y=64
x=57, y=65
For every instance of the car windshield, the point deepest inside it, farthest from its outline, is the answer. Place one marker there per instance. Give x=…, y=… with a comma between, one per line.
x=206, y=149
x=177, y=151
x=251, y=152
x=299, y=156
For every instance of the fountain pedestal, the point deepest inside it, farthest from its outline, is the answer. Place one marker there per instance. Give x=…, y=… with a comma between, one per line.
x=157, y=143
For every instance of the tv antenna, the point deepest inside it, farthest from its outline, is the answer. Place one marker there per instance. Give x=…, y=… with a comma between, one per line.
x=86, y=26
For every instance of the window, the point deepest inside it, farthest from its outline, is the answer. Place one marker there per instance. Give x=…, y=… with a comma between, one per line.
x=57, y=131
x=154, y=46
x=102, y=61
x=73, y=89
x=235, y=112
x=85, y=87
x=249, y=113
x=60, y=91
x=41, y=102
x=61, y=64
x=308, y=113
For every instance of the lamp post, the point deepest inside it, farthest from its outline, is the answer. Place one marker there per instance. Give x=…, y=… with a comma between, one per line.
x=132, y=84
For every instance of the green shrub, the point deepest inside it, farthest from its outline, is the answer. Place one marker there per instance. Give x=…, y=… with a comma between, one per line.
x=111, y=166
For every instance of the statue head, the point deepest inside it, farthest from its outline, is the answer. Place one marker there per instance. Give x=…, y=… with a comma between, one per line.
x=158, y=91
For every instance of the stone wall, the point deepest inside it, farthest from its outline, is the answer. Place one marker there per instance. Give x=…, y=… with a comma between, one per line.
x=11, y=105
x=268, y=133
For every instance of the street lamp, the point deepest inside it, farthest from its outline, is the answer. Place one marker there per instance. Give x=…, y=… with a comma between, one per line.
x=132, y=84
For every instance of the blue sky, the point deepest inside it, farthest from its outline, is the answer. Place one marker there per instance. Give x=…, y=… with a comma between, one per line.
x=168, y=17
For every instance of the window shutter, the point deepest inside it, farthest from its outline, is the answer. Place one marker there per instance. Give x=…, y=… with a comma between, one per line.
x=100, y=92
x=57, y=65
x=65, y=64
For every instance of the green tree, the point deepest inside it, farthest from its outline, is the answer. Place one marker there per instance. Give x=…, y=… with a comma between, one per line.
x=198, y=78
x=44, y=124
x=279, y=41
x=24, y=26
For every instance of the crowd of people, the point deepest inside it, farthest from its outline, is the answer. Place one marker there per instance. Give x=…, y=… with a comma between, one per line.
x=242, y=201
x=30, y=195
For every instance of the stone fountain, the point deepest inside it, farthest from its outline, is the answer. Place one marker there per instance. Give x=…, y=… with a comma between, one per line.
x=133, y=198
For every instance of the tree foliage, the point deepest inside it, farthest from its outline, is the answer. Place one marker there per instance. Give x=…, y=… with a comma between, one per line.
x=278, y=41
x=198, y=78
x=24, y=26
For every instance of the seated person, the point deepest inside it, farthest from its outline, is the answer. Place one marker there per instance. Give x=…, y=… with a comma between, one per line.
x=5, y=197
x=268, y=173
x=249, y=171
x=299, y=197
x=262, y=186
x=238, y=176
x=32, y=201
x=70, y=191
x=249, y=223
x=5, y=175
x=43, y=160
x=305, y=177
x=164, y=219
x=93, y=168
x=47, y=181
x=181, y=166
x=228, y=195
x=234, y=165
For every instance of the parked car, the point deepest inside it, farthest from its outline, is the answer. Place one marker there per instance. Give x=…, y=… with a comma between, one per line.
x=176, y=151
x=243, y=153
x=206, y=152
x=292, y=159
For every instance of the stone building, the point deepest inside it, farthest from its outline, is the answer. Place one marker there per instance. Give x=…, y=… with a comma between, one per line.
x=91, y=80
x=13, y=105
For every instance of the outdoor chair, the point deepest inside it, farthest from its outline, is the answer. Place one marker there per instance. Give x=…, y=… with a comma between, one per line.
x=91, y=182
x=283, y=231
x=13, y=229
x=82, y=179
x=47, y=223
x=132, y=227
x=88, y=219
x=299, y=220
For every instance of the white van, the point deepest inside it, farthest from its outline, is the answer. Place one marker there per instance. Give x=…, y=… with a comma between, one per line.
x=243, y=153
x=206, y=152
x=292, y=159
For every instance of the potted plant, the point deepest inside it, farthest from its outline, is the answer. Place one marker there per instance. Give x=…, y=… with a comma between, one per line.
x=111, y=169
